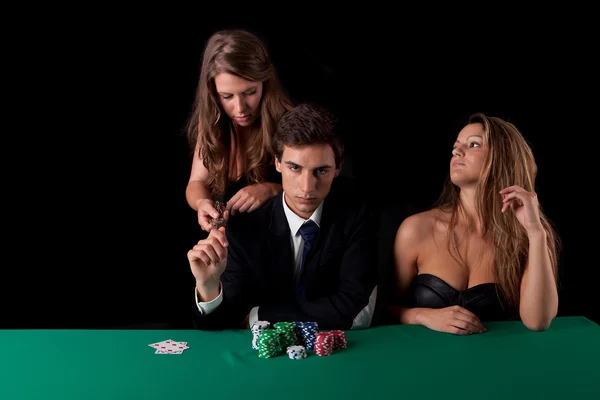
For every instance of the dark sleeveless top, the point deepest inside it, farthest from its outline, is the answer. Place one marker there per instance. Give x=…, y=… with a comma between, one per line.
x=483, y=300
x=234, y=186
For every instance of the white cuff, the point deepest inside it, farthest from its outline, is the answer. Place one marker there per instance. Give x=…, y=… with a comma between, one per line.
x=365, y=317
x=206, y=307
x=253, y=317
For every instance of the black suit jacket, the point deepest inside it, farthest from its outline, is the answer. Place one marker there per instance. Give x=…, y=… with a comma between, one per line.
x=339, y=276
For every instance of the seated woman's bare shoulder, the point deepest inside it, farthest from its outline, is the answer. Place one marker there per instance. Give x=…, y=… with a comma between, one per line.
x=414, y=229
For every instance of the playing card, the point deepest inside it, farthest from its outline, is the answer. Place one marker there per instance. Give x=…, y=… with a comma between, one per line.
x=169, y=346
x=169, y=351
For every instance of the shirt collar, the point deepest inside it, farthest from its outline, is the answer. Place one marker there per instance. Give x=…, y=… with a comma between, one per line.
x=295, y=221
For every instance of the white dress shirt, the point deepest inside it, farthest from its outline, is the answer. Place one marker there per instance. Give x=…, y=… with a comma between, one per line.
x=361, y=321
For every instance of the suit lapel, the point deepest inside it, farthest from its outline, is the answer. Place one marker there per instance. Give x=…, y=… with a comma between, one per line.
x=315, y=255
x=280, y=249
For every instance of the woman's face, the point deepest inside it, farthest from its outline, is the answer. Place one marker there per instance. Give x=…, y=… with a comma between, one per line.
x=239, y=98
x=468, y=155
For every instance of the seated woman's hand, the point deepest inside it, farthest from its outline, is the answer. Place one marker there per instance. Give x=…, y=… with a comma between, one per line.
x=453, y=319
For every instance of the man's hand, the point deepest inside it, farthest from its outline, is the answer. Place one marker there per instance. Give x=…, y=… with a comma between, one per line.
x=207, y=260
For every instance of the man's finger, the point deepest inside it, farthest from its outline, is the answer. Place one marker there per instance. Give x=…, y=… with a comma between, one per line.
x=212, y=254
x=197, y=255
x=219, y=235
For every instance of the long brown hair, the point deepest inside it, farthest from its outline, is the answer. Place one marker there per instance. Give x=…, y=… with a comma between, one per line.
x=209, y=129
x=509, y=161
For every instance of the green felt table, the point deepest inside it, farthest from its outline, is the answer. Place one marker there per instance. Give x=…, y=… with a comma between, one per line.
x=396, y=362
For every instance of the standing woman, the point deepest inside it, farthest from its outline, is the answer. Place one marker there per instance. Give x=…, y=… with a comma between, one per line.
x=239, y=101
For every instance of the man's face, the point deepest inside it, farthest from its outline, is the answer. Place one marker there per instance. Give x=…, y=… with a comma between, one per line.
x=307, y=174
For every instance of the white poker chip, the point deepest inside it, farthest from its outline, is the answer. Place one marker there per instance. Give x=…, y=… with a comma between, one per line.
x=261, y=325
x=296, y=352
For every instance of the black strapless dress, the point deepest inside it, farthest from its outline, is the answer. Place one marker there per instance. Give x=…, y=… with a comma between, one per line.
x=484, y=300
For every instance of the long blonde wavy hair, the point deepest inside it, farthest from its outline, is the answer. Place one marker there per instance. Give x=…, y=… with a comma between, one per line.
x=509, y=161
x=242, y=54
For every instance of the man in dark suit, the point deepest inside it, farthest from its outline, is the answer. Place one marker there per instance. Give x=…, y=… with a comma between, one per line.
x=308, y=254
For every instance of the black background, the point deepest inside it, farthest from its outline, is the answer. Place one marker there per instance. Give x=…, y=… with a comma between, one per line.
x=103, y=227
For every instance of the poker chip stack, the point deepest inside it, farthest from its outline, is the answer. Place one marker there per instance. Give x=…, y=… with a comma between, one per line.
x=298, y=334
x=296, y=352
x=287, y=336
x=324, y=344
x=339, y=340
x=269, y=344
x=257, y=328
x=308, y=331
x=295, y=338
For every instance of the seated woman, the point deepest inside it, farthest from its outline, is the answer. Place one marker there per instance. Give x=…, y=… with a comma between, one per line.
x=485, y=251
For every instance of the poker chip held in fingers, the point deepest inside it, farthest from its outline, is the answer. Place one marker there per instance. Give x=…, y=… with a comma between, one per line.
x=218, y=222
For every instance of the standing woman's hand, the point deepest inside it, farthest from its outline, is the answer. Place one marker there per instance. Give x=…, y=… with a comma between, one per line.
x=251, y=197
x=206, y=212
